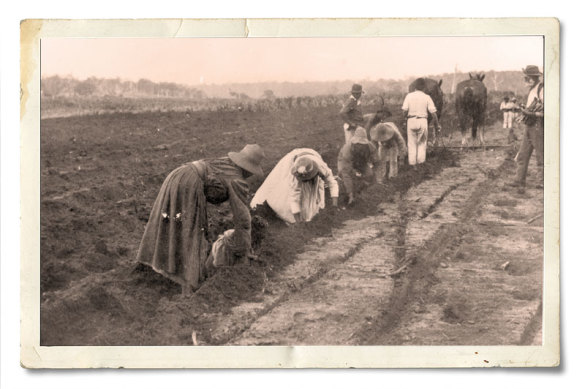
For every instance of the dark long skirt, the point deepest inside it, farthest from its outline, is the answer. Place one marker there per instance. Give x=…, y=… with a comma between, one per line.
x=174, y=242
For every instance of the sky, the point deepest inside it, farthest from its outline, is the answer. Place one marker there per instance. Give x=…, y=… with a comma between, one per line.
x=195, y=61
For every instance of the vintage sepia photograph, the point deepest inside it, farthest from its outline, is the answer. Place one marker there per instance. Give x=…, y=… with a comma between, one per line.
x=303, y=190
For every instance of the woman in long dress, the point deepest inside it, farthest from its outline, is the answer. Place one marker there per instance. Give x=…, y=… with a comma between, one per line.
x=175, y=242
x=294, y=189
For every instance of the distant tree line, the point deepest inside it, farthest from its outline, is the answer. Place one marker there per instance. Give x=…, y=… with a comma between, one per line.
x=511, y=81
x=57, y=86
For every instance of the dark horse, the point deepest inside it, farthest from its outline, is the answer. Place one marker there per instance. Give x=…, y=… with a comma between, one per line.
x=471, y=105
x=432, y=89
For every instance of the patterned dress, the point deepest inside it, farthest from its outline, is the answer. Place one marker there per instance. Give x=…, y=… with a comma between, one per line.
x=175, y=241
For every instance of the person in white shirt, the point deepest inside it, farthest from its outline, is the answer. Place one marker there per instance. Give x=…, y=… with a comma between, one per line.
x=416, y=106
x=507, y=108
x=294, y=189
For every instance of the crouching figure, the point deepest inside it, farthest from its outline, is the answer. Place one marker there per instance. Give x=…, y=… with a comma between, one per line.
x=294, y=189
x=356, y=159
x=390, y=145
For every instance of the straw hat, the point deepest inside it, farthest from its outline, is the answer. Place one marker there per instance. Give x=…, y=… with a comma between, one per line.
x=381, y=133
x=360, y=136
x=304, y=168
x=249, y=158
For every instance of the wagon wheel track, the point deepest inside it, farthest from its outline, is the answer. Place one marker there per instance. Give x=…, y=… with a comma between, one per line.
x=420, y=265
x=394, y=239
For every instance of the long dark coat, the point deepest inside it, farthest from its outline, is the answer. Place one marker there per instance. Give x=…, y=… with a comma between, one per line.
x=175, y=241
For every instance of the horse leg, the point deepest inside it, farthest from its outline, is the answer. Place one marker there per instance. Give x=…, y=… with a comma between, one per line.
x=474, y=129
x=462, y=127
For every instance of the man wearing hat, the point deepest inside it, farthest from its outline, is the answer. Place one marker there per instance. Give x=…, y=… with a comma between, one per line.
x=357, y=156
x=175, y=241
x=416, y=106
x=533, y=134
x=390, y=144
x=294, y=189
x=351, y=112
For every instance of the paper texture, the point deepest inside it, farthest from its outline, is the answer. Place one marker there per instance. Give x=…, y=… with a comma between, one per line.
x=33, y=355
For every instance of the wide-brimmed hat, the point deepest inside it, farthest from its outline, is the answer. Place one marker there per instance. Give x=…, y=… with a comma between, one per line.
x=249, y=158
x=304, y=168
x=381, y=132
x=532, y=70
x=357, y=88
x=360, y=136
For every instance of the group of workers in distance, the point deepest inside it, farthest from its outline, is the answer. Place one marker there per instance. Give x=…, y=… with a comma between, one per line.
x=176, y=242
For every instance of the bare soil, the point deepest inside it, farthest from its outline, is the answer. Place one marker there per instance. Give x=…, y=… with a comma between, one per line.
x=326, y=283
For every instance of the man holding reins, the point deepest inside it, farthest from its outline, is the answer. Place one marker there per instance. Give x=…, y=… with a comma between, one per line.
x=533, y=134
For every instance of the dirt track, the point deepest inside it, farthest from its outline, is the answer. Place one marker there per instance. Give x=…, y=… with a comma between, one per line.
x=475, y=277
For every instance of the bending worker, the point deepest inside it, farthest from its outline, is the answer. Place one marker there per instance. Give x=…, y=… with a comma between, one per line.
x=390, y=144
x=294, y=189
x=357, y=156
x=175, y=241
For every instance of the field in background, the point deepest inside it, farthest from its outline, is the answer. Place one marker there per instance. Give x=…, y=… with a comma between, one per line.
x=61, y=106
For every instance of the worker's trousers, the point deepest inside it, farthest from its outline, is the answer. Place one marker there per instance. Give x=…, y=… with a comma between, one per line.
x=387, y=156
x=417, y=140
x=532, y=140
x=508, y=119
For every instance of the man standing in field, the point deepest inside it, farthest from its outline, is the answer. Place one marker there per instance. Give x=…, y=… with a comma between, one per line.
x=507, y=108
x=416, y=106
x=351, y=112
x=533, y=133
